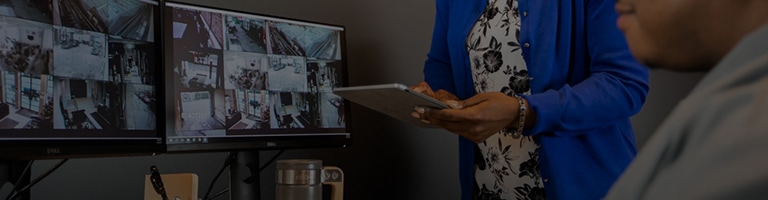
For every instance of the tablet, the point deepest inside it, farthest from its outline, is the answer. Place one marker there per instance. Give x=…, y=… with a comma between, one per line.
x=394, y=99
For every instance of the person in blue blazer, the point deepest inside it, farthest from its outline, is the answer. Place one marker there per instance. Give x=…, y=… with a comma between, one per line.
x=542, y=94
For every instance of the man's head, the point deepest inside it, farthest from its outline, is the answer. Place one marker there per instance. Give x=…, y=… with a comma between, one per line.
x=687, y=35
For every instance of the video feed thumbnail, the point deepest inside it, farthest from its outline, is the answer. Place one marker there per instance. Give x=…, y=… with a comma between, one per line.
x=245, y=71
x=27, y=101
x=245, y=34
x=132, y=19
x=287, y=73
x=324, y=75
x=91, y=104
x=140, y=107
x=332, y=110
x=35, y=10
x=248, y=109
x=132, y=62
x=87, y=15
x=306, y=110
x=198, y=70
x=194, y=29
x=201, y=112
x=295, y=110
x=25, y=46
x=80, y=54
x=307, y=41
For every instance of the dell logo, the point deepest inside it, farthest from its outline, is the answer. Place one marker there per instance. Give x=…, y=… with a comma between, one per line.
x=53, y=150
x=271, y=144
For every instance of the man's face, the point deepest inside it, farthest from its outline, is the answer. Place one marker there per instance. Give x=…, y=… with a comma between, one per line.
x=671, y=34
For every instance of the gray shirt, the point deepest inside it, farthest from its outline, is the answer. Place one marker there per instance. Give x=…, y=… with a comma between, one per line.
x=714, y=145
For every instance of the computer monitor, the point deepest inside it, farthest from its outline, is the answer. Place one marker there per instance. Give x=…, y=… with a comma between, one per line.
x=79, y=78
x=244, y=82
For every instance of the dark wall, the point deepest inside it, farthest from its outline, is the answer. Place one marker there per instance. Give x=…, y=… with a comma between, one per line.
x=387, y=41
x=667, y=89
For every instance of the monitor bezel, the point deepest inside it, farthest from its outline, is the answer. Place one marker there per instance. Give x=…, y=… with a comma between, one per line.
x=267, y=141
x=91, y=143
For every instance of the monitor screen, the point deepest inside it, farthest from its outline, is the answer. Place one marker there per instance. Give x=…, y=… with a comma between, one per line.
x=78, y=78
x=242, y=81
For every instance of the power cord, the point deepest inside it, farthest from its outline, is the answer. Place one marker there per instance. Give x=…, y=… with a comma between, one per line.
x=254, y=177
x=227, y=163
x=222, y=192
x=271, y=160
x=15, y=194
x=26, y=170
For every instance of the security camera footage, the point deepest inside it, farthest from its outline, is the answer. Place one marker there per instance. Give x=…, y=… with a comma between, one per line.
x=69, y=66
x=237, y=74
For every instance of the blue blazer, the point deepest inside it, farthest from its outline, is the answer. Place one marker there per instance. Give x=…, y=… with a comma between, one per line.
x=586, y=85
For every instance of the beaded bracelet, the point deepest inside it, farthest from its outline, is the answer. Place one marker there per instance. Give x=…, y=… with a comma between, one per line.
x=521, y=120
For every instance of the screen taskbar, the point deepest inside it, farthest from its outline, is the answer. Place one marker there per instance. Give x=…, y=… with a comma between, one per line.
x=206, y=139
x=83, y=138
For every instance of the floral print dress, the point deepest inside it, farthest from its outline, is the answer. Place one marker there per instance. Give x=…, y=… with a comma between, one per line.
x=506, y=165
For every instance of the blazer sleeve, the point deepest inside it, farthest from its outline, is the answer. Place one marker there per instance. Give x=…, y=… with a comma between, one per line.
x=437, y=68
x=614, y=88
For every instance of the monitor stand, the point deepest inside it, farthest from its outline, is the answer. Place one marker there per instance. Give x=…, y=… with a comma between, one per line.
x=4, y=174
x=11, y=172
x=244, y=179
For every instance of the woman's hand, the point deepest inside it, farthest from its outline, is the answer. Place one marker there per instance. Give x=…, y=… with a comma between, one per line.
x=441, y=95
x=476, y=118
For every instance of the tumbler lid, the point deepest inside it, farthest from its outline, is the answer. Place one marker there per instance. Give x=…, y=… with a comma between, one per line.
x=299, y=164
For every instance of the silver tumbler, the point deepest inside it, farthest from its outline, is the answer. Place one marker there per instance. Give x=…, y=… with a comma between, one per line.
x=299, y=179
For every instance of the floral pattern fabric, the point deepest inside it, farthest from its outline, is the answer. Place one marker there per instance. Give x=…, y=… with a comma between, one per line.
x=507, y=166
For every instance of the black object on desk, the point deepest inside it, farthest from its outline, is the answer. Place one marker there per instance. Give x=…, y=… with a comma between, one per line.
x=157, y=182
